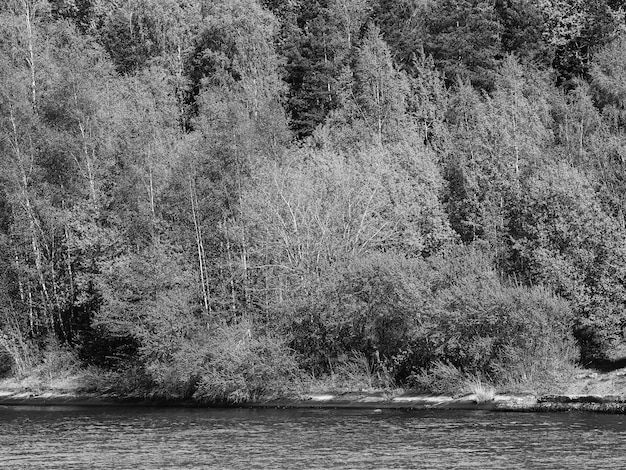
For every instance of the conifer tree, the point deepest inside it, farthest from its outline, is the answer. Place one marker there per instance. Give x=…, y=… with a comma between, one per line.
x=403, y=27
x=373, y=97
x=465, y=39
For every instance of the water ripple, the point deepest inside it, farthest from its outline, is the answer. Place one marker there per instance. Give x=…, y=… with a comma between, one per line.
x=148, y=438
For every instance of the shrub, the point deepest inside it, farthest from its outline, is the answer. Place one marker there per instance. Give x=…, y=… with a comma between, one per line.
x=129, y=380
x=371, y=305
x=425, y=316
x=244, y=365
x=478, y=324
x=59, y=362
x=564, y=238
x=432, y=324
x=176, y=374
x=358, y=371
x=6, y=363
x=441, y=378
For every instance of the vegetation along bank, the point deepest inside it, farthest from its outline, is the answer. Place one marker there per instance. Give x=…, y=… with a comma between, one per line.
x=228, y=200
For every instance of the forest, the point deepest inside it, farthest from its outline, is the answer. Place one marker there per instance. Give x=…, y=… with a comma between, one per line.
x=227, y=199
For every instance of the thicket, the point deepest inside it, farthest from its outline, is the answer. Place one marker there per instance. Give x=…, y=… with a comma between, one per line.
x=229, y=199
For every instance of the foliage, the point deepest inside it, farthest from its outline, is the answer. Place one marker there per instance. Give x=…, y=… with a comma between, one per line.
x=59, y=362
x=607, y=77
x=442, y=378
x=373, y=95
x=244, y=365
x=452, y=309
x=317, y=40
x=372, y=306
x=566, y=241
x=401, y=191
x=464, y=37
x=402, y=24
x=358, y=371
x=482, y=326
x=496, y=141
x=576, y=29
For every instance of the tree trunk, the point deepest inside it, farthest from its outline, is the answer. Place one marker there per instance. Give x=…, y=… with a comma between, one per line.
x=199, y=245
x=28, y=17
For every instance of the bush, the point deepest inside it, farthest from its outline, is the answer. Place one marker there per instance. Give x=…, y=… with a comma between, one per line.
x=177, y=373
x=565, y=239
x=441, y=378
x=371, y=306
x=229, y=364
x=358, y=371
x=244, y=365
x=98, y=347
x=59, y=362
x=129, y=380
x=424, y=316
x=478, y=324
x=6, y=364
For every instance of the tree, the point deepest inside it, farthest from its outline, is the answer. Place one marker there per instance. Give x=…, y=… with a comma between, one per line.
x=497, y=141
x=240, y=123
x=564, y=239
x=150, y=297
x=608, y=71
x=317, y=40
x=319, y=211
x=373, y=97
x=21, y=22
x=348, y=18
x=601, y=128
x=142, y=130
x=127, y=39
x=578, y=127
x=524, y=31
x=22, y=139
x=403, y=26
x=234, y=50
x=464, y=38
x=427, y=102
x=575, y=30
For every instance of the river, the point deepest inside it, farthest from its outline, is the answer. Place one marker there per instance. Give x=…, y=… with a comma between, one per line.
x=146, y=438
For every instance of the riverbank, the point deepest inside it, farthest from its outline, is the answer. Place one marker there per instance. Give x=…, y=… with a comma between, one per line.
x=356, y=400
x=589, y=390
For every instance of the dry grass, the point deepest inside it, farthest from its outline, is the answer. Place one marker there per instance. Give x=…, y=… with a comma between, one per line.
x=589, y=382
x=442, y=379
x=354, y=373
x=37, y=384
x=483, y=392
x=58, y=371
x=360, y=373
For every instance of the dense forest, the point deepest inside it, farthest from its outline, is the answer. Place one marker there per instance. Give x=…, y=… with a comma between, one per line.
x=222, y=198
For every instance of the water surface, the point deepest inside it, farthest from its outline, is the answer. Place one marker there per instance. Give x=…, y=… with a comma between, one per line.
x=142, y=438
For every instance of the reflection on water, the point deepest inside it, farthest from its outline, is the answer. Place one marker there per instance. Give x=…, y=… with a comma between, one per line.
x=127, y=438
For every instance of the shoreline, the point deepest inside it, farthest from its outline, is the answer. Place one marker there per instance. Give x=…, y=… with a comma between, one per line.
x=350, y=400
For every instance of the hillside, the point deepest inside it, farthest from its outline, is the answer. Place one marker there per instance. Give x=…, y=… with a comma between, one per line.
x=234, y=198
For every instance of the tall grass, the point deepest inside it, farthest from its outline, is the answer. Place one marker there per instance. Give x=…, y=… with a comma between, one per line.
x=357, y=371
x=442, y=379
x=482, y=391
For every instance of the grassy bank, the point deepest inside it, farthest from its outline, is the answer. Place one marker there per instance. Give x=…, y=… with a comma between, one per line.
x=251, y=373
x=587, y=391
x=349, y=385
